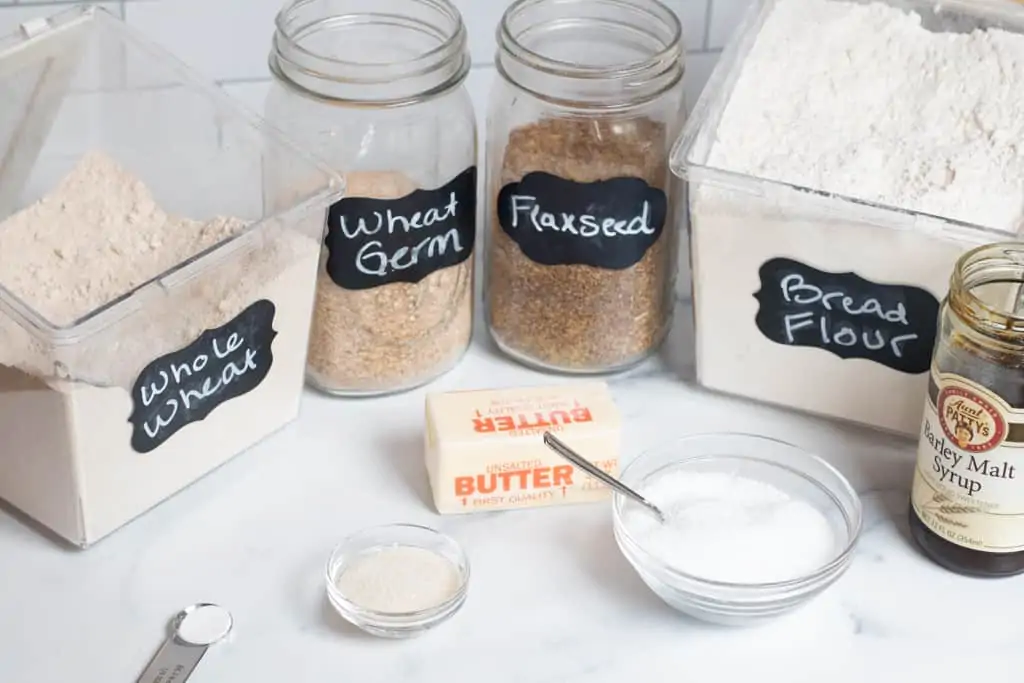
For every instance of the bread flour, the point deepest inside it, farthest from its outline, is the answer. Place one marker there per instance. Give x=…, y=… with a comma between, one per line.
x=67, y=457
x=862, y=100
x=858, y=100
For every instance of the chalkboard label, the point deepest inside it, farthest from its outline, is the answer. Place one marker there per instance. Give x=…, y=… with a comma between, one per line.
x=374, y=242
x=185, y=386
x=846, y=315
x=606, y=224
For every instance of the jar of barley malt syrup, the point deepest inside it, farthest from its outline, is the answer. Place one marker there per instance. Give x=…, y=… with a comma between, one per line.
x=582, y=233
x=376, y=88
x=967, y=502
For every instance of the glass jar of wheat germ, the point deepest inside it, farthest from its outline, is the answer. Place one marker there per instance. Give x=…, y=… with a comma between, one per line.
x=377, y=89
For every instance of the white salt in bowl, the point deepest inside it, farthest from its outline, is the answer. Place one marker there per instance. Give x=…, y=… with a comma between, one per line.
x=797, y=473
x=397, y=623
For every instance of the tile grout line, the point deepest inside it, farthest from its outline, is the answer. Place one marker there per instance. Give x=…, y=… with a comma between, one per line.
x=120, y=8
x=123, y=76
x=244, y=80
x=709, y=8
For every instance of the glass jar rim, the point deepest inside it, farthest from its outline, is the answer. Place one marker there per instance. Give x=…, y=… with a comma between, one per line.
x=439, y=69
x=981, y=266
x=670, y=53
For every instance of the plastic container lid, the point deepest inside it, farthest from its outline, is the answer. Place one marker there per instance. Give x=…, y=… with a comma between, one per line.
x=82, y=80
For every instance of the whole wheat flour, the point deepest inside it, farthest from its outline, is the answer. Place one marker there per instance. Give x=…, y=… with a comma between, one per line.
x=97, y=237
x=859, y=100
x=68, y=455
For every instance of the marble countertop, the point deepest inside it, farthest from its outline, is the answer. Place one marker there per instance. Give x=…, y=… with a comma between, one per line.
x=551, y=599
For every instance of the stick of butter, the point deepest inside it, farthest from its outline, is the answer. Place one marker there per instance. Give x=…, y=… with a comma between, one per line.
x=485, y=449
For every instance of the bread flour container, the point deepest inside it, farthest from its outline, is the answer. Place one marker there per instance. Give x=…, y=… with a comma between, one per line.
x=841, y=158
x=125, y=376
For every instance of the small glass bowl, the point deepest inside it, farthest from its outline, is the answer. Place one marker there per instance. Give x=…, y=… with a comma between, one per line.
x=396, y=624
x=793, y=470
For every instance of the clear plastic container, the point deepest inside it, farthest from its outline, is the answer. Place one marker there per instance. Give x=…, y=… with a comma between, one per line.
x=749, y=233
x=376, y=87
x=125, y=376
x=582, y=234
x=792, y=470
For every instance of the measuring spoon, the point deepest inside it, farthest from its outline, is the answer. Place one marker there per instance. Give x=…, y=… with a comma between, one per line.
x=193, y=630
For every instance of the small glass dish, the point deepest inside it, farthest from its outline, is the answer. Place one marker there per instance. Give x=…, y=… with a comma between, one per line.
x=791, y=469
x=376, y=539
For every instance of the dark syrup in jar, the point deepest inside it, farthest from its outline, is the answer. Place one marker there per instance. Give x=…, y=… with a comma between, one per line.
x=1001, y=374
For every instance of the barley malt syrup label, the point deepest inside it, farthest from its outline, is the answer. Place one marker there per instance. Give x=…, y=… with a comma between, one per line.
x=846, y=315
x=374, y=242
x=967, y=485
x=607, y=224
x=187, y=385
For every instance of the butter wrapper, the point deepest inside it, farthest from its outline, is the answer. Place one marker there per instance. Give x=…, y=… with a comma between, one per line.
x=485, y=449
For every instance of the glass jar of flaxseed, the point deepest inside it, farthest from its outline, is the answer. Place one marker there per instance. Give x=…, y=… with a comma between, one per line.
x=377, y=89
x=582, y=232
x=967, y=501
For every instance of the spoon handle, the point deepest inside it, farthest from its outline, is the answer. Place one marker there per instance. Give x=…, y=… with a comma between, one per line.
x=558, y=446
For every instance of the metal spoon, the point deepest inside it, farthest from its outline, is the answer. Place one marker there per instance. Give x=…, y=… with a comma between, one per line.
x=556, y=444
x=192, y=632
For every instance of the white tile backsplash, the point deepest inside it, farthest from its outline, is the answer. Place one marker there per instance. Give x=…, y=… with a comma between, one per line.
x=725, y=16
x=224, y=39
x=479, y=85
x=693, y=14
x=698, y=69
x=11, y=17
x=96, y=67
x=481, y=18
x=252, y=94
x=230, y=39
